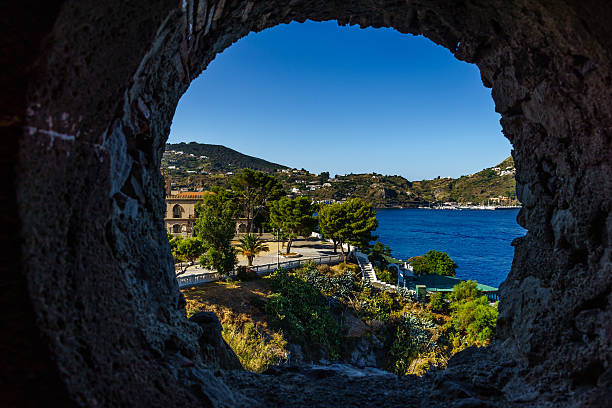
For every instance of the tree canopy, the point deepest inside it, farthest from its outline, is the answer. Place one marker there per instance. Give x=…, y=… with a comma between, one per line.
x=216, y=227
x=331, y=220
x=377, y=254
x=351, y=222
x=474, y=321
x=293, y=216
x=250, y=245
x=187, y=249
x=433, y=262
x=361, y=222
x=255, y=189
x=466, y=290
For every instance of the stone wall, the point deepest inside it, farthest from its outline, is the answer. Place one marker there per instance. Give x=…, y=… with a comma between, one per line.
x=92, y=87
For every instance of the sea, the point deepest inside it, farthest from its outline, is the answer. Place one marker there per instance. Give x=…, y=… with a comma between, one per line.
x=477, y=240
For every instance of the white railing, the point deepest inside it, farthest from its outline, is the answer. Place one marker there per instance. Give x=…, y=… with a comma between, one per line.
x=194, y=280
x=327, y=259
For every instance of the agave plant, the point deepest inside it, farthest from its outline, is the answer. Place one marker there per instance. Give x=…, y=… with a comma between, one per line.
x=250, y=245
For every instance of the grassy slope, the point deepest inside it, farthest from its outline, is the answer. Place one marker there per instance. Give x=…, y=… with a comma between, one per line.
x=246, y=327
x=249, y=330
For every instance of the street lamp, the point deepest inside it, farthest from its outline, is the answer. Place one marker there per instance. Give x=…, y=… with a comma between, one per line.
x=277, y=249
x=278, y=233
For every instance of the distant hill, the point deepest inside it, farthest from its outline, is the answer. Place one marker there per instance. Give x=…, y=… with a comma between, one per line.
x=196, y=166
x=490, y=183
x=495, y=183
x=213, y=158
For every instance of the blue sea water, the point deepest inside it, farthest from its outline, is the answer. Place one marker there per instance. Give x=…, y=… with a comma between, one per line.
x=477, y=240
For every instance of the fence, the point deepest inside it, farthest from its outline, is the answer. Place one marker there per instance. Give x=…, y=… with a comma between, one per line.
x=194, y=280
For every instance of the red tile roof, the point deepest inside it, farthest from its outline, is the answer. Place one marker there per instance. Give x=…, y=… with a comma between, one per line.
x=190, y=194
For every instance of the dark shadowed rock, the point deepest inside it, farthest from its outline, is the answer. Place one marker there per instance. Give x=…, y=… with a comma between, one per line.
x=94, y=316
x=214, y=350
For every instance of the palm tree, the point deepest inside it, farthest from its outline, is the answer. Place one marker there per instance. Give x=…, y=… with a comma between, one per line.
x=250, y=245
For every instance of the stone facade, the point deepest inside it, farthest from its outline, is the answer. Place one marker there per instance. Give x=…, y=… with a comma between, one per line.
x=180, y=215
x=92, y=311
x=180, y=212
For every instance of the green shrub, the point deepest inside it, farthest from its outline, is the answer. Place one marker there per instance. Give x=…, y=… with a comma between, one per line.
x=474, y=321
x=303, y=311
x=306, y=267
x=438, y=303
x=433, y=262
x=465, y=290
x=405, y=294
x=245, y=274
x=386, y=275
x=376, y=304
x=413, y=337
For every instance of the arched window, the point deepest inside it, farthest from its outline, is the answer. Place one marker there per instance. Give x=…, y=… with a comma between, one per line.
x=177, y=211
x=176, y=229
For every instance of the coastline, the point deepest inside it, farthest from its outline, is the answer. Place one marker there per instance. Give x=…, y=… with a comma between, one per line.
x=458, y=207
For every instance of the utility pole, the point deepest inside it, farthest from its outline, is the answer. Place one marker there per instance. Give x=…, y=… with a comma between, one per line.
x=277, y=231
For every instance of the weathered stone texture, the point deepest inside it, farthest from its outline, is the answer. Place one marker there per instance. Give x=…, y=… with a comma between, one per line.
x=93, y=91
x=214, y=351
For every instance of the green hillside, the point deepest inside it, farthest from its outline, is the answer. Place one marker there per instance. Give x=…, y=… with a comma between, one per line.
x=495, y=183
x=212, y=158
x=195, y=166
x=491, y=183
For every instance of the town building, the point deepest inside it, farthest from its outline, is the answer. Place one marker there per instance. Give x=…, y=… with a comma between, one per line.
x=181, y=212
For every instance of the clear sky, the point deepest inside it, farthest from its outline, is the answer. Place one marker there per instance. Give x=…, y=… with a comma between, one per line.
x=345, y=100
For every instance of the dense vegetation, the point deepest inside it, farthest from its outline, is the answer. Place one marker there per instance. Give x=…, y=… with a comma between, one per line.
x=303, y=311
x=294, y=216
x=312, y=307
x=215, y=227
x=351, y=222
x=416, y=336
x=203, y=166
x=433, y=263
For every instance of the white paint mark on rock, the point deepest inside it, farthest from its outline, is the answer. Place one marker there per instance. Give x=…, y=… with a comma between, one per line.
x=144, y=108
x=52, y=135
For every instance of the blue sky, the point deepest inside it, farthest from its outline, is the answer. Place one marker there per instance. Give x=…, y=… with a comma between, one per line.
x=344, y=99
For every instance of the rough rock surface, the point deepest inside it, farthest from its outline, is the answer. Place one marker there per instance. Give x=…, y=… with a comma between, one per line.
x=93, y=310
x=214, y=350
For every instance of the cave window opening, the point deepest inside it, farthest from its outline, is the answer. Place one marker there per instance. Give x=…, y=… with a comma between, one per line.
x=356, y=132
